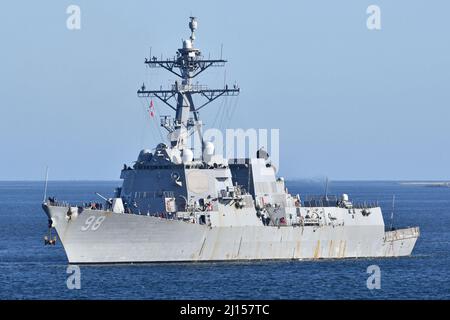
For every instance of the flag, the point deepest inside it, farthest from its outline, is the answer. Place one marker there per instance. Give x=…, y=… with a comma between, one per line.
x=151, y=109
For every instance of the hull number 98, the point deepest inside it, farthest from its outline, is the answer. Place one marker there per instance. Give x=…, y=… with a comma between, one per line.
x=92, y=223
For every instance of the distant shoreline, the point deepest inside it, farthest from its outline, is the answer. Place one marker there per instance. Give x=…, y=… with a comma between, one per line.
x=445, y=184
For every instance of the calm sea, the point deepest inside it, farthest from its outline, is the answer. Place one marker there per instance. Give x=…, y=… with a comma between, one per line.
x=30, y=270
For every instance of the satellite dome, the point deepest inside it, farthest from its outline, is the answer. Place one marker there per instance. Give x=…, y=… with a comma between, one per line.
x=187, y=155
x=144, y=155
x=187, y=44
x=208, y=151
x=208, y=148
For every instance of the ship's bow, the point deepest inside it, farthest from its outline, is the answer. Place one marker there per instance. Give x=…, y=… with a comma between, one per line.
x=401, y=242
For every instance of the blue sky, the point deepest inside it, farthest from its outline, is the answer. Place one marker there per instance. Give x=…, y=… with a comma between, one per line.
x=350, y=103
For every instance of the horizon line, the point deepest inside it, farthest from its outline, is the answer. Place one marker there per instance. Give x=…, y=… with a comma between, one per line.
x=289, y=180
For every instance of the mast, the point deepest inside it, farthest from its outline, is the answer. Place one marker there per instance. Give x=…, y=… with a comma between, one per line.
x=187, y=64
x=391, y=227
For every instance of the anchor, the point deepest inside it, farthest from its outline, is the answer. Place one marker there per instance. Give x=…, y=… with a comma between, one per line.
x=48, y=238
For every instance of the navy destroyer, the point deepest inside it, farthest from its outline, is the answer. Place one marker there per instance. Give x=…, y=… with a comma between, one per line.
x=173, y=206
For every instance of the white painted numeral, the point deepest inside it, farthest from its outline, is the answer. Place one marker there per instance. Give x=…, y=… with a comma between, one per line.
x=91, y=225
x=88, y=223
x=97, y=223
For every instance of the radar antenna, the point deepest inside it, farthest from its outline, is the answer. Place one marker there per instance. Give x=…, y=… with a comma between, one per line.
x=187, y=64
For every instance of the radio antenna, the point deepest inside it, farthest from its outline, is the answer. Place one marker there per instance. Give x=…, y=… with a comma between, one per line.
x=46, y=182
x=326, y=188
x=392, y=213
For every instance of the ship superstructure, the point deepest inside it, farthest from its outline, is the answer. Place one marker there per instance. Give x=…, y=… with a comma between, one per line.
x=173, y=206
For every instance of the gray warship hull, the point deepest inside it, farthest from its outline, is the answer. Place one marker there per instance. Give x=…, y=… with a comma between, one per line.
x=176, y=206
x=131, y=238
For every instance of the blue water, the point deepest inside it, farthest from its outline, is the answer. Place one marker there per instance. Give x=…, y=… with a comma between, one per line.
x=30, y=270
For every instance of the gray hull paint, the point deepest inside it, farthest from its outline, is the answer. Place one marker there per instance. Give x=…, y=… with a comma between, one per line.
x=224, y=209
x=128, y=238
